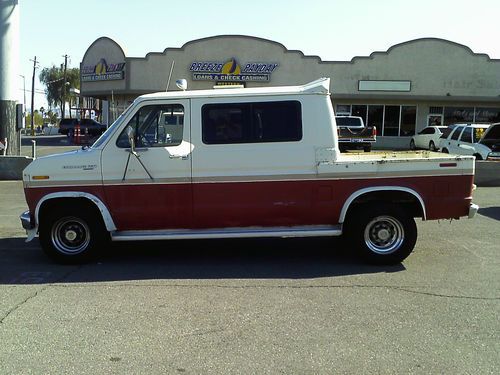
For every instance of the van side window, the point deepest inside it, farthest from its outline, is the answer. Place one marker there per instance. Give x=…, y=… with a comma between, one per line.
x=155, y=126
x=252, y=122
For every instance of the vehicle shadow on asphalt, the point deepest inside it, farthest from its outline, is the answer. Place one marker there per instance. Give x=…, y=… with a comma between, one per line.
x=297, y=258
x=491, y=212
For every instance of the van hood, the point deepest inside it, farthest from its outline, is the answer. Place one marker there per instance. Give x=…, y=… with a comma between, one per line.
x=80, y=165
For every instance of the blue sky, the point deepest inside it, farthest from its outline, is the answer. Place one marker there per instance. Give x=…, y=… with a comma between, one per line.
x=331, y=29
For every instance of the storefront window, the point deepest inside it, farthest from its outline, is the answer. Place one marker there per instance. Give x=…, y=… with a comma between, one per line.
x=453, y=115
x=359, y=110
x=408, y=120
x=375, y=116
x=343, y=109
x=391, y=121
x=487, y=115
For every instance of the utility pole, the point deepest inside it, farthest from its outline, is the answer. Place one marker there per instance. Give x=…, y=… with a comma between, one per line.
x=33, y=97
x=64, y=87
x=9, y=68
x=24, y=111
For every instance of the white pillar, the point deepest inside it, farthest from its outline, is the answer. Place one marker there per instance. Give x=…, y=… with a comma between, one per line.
x=9, y=72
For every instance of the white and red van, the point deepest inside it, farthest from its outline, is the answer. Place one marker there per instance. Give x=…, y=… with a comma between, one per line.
x=260, y=162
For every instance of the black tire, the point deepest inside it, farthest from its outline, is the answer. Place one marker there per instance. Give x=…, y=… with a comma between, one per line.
x=478, y=156
x=432, y=146
x=381, y=233
x=445, y=151
x=367, y=148
x=412, y=145
x=72, y=235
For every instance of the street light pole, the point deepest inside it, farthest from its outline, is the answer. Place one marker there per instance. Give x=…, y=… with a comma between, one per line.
x=24, y=111
x=33, y=96
x=64, y=88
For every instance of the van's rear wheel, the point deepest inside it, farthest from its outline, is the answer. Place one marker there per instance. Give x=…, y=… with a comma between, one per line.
x=72, y=235
x=381, y=234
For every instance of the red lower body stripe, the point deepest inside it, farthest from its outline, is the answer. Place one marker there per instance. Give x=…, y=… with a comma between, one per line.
x=265, y=203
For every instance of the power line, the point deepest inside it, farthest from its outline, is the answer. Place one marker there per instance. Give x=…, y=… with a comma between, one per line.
x=37, y=91
x=56, y=80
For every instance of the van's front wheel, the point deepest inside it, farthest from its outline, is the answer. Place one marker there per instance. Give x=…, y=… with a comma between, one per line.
x=382, y=234
x=70, y=235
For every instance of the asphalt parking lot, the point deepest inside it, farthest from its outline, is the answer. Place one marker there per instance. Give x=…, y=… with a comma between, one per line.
x=294, y=306
x=251, y=306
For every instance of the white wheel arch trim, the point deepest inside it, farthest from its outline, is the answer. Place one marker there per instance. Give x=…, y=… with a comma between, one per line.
x=106, y=216
x=361, y=192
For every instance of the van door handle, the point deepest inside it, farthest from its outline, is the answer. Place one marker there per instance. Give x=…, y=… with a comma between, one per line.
x=182, y=157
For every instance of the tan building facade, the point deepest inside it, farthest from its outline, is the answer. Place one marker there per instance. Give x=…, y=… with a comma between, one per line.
x=411, y=85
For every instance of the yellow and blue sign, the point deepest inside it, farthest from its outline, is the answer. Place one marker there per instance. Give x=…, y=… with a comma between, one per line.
x=103, y=71
x=231, y=71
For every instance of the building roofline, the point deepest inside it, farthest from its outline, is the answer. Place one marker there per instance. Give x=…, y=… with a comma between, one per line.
x=294, y=51
x=395, y=46
x=100, y=39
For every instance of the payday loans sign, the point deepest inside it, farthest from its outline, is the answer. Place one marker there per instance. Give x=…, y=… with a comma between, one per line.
x=232, y=71
x=102, y=71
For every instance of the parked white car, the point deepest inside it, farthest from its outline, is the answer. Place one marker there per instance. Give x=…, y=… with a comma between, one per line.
x=463, y=139
x=428, y=138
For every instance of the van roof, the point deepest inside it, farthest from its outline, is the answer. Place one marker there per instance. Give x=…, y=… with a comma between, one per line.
x=319, y=86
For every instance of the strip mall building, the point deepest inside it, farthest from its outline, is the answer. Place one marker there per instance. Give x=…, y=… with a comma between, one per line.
x=413, y=84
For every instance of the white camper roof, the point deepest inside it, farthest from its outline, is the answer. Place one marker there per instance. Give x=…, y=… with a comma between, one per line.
x=319, y=86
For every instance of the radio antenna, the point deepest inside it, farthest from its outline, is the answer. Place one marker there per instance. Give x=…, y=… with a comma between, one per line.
x=170, y=74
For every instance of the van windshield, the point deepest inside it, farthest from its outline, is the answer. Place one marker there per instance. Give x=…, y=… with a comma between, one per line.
x=110, y=130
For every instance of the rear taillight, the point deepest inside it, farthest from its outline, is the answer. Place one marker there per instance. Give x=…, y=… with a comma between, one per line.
x=374, y=131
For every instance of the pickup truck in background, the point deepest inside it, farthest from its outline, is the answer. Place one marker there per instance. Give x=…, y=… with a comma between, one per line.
x=354, y=135
x=87, y=126
x=238, y=163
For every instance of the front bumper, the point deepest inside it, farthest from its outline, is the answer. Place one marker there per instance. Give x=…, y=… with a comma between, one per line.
x=26, y=220
x=473, y=210
x=28, y=225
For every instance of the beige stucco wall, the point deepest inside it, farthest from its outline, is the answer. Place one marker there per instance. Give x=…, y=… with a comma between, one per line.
x=151, y=72
x=109, y=50
x=435, y=67
x=442, y=73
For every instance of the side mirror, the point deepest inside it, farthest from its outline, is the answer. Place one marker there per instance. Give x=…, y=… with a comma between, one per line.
x=131, y=138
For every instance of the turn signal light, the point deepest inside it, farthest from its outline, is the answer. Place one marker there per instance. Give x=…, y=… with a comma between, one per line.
x=40, y=177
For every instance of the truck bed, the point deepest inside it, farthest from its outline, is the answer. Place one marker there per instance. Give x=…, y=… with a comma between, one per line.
x=392, y=164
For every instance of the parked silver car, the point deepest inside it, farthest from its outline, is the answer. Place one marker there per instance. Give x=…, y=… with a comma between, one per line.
x=464, y=139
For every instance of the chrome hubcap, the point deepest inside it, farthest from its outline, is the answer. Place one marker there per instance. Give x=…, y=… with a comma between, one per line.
x=384, y=235
x=70, y=235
